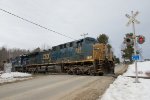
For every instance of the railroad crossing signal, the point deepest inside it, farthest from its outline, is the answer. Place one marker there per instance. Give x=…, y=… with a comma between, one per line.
x=132, y=21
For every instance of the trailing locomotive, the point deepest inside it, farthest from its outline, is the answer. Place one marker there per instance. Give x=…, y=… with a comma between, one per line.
x=19, y=62
x=84, y=56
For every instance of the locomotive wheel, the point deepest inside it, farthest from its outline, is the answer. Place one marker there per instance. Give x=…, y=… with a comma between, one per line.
x=94, y=74
x=79, y=72
x=100, y=73
x=70, y=72
x=36, y=70
x=91, y=72
x=87, y=72
x=76, y=71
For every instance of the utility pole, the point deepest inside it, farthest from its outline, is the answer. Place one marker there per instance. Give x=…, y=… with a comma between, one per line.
x=132, y=21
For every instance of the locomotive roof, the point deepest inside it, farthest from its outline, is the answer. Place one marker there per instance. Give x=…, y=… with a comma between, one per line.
x=80, y=40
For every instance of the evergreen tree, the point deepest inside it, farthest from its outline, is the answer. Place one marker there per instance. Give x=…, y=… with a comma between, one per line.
x=103, y=38
x=128, y=52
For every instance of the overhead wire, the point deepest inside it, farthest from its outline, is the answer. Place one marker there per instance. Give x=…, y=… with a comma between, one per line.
x=35, y=23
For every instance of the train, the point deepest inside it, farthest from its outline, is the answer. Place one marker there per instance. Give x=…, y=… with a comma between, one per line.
x=83, y=56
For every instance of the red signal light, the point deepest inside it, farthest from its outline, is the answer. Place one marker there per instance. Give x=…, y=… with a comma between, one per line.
x=141, y=39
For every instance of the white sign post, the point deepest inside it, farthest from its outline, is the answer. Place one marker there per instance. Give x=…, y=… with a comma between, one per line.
x=132, y=21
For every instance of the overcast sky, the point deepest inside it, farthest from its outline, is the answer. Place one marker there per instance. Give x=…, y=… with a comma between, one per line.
x=72, y=18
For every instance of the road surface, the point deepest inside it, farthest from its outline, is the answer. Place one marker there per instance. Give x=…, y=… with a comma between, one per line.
x=57, y=87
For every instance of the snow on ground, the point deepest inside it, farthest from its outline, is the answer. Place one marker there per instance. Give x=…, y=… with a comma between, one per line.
x=124, y=87
x=143, y=69
x=13, y=76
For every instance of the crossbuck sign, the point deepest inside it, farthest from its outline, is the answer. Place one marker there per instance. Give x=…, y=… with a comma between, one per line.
x=132, y=18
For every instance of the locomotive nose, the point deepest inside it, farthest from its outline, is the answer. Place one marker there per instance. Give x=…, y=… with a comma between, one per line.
x=98, y=51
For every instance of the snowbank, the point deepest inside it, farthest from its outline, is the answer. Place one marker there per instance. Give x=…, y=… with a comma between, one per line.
x=18, y=74
x=1, y=72
x=124, y=88
x=143, y=69
x=13, y=76
x=6, y=76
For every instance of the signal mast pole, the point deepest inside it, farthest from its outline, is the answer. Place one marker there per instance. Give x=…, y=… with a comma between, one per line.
x=136, y=71
x=133, y=21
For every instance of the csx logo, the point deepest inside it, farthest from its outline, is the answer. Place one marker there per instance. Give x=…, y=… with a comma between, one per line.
x=46, y=56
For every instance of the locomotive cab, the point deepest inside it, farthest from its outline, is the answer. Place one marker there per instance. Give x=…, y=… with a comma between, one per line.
x=103, y=59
